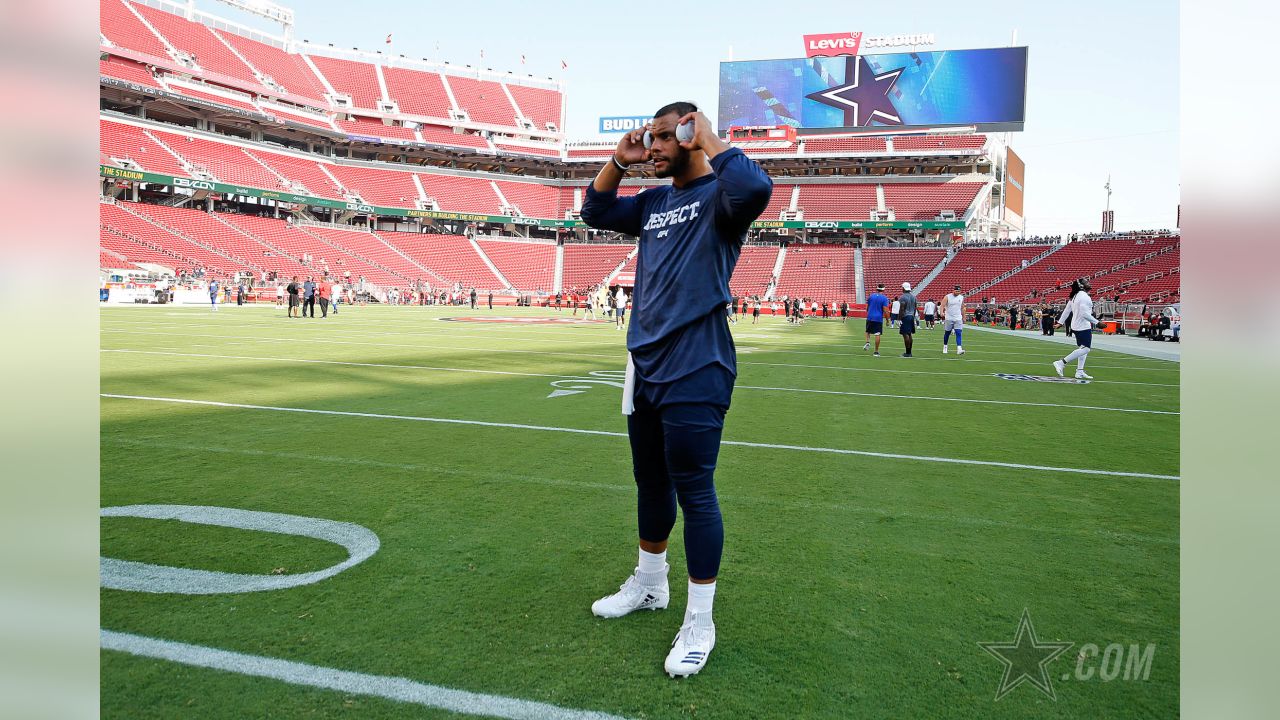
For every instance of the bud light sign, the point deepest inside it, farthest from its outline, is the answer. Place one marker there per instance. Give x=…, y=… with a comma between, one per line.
x=623, y=124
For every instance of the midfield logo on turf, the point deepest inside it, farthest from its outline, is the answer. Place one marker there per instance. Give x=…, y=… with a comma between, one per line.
x=1041, y=378
x=597, y=378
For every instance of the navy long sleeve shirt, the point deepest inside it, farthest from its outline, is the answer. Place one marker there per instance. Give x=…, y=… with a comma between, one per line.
x=689, y=241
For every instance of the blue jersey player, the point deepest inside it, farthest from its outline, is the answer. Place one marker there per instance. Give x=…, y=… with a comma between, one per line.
x=876, y=305
x=682, y=359
x=213, y=295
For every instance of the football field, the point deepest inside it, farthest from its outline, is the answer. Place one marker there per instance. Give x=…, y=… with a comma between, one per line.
x=882, y=517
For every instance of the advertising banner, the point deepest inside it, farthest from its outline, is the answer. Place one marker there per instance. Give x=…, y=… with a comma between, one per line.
x=622, y=124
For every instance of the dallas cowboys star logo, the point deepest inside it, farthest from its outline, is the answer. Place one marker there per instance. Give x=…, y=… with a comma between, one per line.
x=1025, y=659
x=865, y=95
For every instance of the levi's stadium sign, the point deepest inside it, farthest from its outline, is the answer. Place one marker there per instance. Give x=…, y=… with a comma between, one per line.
x=851, y=43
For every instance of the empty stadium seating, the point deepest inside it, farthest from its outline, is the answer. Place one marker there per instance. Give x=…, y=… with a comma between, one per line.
x=208, y=229
x=417, y=92
x=129, y=142
x=837, y=202
x=242, y=102
x=527, y=150
x=449, y=256
x=972, y=267
x=322, y=123
x=438, y=135
x=122, y=27
x=467, y=194
x=844, y=145
x=119, y=244
x=228, y=163
x=1051, y=277
x=754, y=270
x=894, y=266
x=359, y=80
x=779, y=201
x=527, y=266
x=380, y=187
x=288, y=70
x=540, y=105
x=903, y=143
x=484, y=101
x=534, y=200
x=819, y=272
x=923, y=201
x=128, y=70
x=125, y=219
x=201, y=44
x=367, y=246
x=593, y=153
x=375, y=128
x=296, y=242
x=585, y=264
x=307, y=172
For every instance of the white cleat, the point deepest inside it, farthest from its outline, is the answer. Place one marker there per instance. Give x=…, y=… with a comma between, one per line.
x=1081, y=376
x=959, y=350
x=633, y=595
x=1058, y=367
x=866, y=346
x=944, y=349
x=692, y=646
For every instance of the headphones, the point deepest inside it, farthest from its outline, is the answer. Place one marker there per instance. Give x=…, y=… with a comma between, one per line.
x=684, y=133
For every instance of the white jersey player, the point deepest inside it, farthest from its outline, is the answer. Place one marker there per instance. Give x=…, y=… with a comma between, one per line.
x=953, y=319
x=1080, y=311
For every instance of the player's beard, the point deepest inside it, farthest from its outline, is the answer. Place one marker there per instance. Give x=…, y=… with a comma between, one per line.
x=675, y=165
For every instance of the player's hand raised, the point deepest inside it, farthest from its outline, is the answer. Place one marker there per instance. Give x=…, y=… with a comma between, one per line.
x=703, y=134
x=631, y=148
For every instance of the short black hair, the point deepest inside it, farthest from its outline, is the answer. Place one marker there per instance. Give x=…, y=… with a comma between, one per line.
x=680, y=108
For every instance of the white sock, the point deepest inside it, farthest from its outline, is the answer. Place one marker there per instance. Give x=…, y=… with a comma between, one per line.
x=653, y=568
x=701, y=597
x=1078, y=352
x=1080, y=362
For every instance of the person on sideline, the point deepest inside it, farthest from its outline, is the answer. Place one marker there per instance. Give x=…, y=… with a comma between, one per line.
x=682, y=364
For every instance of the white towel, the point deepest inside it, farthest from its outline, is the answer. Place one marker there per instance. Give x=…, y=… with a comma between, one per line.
x=629, y=388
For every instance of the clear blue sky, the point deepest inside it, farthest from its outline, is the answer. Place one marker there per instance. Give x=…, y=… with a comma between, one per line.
x=1102, y=93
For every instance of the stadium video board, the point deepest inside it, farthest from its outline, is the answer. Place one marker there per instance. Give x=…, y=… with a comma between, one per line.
x=986, y=88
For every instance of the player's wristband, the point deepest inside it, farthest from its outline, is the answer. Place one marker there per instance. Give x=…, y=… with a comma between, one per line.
x=620, y=166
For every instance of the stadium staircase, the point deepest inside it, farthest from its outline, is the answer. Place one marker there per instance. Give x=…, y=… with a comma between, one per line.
x=488, y=262
x=286, y=265
x=937, y=270
x=187, y=237
x=778, y=263
x=439, y=279
x=557, y=277
x=628, y=261
x=304, y=225
x=186, y=164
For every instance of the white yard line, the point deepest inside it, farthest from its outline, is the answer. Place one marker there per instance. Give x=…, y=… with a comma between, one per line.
x=391, y=688
x=579, y=377
x=326, y=341
x=606, y=433
x=726, y=495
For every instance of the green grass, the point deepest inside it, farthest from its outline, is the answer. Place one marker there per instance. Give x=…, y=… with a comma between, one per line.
x=852, y=586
